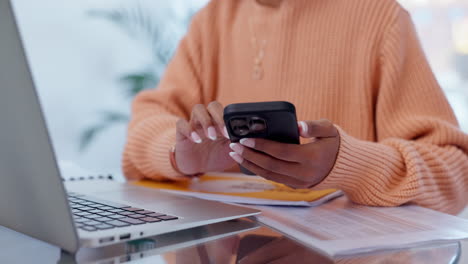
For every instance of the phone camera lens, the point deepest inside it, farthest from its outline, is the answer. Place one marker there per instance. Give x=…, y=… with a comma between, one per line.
x=243, y=126
x=257, y=125
x=242, y=131
x=240, y=127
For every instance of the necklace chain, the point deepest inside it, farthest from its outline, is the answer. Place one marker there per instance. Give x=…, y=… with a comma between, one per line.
x=259, y=52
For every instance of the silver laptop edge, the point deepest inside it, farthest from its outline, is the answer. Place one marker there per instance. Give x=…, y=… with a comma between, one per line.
x=29, y=174
x=33, y=199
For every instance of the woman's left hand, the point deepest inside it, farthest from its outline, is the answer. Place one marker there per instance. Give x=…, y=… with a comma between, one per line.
x=284, y=251
x=297, y=166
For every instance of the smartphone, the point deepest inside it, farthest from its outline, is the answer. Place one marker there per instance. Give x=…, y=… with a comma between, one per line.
x=269, y=120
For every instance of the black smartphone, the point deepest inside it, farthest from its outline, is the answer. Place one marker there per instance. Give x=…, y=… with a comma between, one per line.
x=269, y=120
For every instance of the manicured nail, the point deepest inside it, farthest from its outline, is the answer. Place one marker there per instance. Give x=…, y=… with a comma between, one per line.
x=237, y=148
x=195, y=137
x=236, y=157
x=225, y=133
x=304, y=127
x=212, y=133
x=248, y=142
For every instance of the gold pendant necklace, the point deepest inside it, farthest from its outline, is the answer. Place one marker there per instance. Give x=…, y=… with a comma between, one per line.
x=259, y=52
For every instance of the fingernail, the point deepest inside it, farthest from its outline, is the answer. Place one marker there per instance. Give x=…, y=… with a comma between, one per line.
x=244, y=260
x=237, y=148
x=248, y=142
x=196, y=138
x=212, y=133
x=236, y=157
x=225, y=133
x=304, y=127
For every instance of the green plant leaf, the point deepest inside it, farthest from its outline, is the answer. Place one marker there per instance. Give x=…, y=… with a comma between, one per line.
x=137, y=21
x=107, y=120
x=137, y=82
x=111, y=116
x=88, y=135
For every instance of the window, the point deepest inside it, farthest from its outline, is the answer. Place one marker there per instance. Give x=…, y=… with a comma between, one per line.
x=90, y=57
x=443, y=29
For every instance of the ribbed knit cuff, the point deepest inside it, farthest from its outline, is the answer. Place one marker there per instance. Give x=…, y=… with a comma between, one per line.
x=150, y=147
x=160, y=149
x=361, y=171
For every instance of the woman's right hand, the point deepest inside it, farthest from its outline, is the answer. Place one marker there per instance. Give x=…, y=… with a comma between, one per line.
x=202, y=143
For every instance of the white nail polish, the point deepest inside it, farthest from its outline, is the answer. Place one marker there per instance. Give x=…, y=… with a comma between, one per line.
x=212, y=133
x=195, y=137
x=225, y=133
x=304, y=127
x=236, y=157
x=248, y=142
x=236, y=148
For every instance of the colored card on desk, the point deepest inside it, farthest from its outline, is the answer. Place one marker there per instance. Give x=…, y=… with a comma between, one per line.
x=239, y=188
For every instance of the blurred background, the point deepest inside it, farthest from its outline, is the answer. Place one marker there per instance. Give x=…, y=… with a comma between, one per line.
x=90, y=57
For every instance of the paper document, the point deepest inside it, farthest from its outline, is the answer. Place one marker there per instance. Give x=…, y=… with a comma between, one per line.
x=238, y=188
x=340, y=228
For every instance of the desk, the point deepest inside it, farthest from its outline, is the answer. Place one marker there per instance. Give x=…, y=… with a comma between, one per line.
x=217, y=243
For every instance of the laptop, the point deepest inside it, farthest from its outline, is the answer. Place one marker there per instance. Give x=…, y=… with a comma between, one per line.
x=33, y=198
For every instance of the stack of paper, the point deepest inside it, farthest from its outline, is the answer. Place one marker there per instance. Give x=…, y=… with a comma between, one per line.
x=238, y=188
x=341, y=228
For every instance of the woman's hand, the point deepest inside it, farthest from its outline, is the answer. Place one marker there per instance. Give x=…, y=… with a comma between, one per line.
x=217, y=251
x=284, y=251
x=297, y=166
x=202, y=143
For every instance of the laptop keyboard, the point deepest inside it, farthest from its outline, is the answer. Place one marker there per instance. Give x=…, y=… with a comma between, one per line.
x=93, y=214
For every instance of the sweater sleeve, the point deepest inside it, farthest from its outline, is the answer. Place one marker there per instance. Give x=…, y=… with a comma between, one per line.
x=420, y=156
x=151, y=132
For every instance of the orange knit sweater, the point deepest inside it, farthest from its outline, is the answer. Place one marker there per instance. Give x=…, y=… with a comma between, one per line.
x=357, y=63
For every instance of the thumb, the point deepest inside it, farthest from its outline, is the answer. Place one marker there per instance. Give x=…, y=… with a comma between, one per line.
x=322, y=128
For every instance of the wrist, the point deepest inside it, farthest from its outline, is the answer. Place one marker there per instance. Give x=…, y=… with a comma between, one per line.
x=172, y=157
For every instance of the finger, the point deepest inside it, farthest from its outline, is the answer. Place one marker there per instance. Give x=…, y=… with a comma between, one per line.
x=184, y=131
x=215, y=109
x=282, y=151
x=322, y=128
x=201, y=120
x=224, y=248
x=265, y=161
x=269, y=252
x=269, y=175
x=300, y=254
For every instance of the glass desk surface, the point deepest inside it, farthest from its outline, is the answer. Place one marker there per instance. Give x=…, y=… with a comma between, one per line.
x=238, y=241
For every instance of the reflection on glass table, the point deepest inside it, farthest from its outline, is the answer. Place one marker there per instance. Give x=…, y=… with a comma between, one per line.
x=238, y=241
